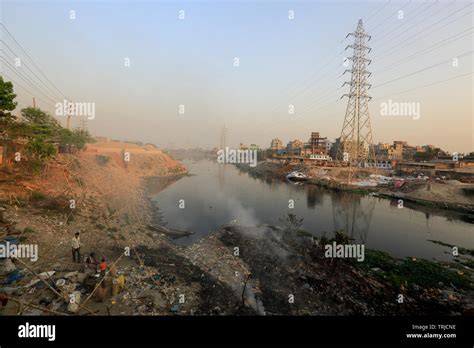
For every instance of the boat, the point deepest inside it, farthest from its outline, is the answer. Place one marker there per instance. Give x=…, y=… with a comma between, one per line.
x=296, y=176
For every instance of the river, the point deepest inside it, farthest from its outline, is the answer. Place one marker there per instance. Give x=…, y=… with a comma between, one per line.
x=217, y=194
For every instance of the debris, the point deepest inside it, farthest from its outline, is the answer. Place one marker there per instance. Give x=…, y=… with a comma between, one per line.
x=7, y=266
x=75, y=299
x=12, y=277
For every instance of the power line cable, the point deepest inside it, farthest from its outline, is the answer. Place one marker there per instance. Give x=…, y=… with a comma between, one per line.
x=27, y=66
x=31, y=59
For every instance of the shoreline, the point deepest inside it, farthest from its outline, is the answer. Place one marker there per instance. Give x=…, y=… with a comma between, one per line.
x=466, y=209
x=274, y=261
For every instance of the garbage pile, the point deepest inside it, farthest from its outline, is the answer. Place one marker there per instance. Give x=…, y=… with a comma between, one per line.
x=57, y=291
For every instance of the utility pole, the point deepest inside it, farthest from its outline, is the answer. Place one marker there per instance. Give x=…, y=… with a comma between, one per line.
x=356, y=143
x=34, y=102
x=68, y=120
x=84, y=124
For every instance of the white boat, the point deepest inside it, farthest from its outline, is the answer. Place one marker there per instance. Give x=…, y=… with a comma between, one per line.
x=296, y=176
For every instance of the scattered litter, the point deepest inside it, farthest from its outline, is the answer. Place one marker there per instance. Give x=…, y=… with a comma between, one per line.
x=60, y=282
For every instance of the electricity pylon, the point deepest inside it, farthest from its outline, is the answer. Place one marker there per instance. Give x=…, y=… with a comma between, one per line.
x=222, y=138
x=356, y=143
x=221, y=166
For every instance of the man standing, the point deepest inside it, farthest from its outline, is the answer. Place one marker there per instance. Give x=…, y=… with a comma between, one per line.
x=76, y=246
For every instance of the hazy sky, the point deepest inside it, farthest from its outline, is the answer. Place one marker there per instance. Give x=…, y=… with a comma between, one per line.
x=283, y=61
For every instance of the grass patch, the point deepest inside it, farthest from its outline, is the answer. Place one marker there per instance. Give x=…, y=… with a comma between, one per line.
x=424, y=273
x=29, y=230
x=37, y=196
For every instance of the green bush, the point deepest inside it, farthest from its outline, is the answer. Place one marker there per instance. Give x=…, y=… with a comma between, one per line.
x=37, y=196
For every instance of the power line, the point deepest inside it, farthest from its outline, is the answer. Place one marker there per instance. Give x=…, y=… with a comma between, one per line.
x=27, y=66
x=377, y=11
x=24, y=88
x=380, y=37
x=424, y=69
x=32, y=61
x=435, y=23
x=12, y=68
x=307, y=82
x=309, y=87
x=23, y=75
x=385, y=20
x=383, y=55
x=428, y=85
x=435, y=46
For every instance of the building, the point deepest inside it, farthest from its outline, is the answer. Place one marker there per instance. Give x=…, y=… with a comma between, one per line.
x=385, y=151
x=101, y=139
x=317, y=157
x=380, y=164
x=293, y=148
x=328, y=145
x=254, y=147
x=426, y=168
x=276, y=145
x=317, y=144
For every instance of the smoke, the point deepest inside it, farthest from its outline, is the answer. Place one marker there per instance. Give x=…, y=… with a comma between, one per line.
x=244, y=216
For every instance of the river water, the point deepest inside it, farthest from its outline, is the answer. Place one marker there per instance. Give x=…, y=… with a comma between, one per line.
x=217, y=194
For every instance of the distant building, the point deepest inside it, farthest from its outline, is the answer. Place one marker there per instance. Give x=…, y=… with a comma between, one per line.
x=384, y=151
x=100, y=139
x=254, y=147
x=317, y=144
x=328, y=145
x=427, y=168
x=381, y=164
x=318, y=157
x=293, y=148
x=276, y=145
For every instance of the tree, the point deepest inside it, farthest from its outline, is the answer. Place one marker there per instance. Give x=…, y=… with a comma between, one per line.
x=7, y=102
x=40, y=130
x=428, y=155
x=78, y=137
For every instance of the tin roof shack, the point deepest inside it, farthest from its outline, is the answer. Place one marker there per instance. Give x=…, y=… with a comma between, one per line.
x=464, y=172
x=425, y=168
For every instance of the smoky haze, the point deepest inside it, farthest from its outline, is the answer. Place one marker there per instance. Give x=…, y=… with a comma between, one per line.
x=140, y=62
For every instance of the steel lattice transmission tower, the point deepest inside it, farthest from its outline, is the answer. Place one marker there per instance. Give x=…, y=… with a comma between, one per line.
x=356, y=143
x=222, y=138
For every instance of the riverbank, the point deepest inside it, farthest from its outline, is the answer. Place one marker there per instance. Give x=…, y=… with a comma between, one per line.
x=281, y=270
x=275, y=270
x=449, y=195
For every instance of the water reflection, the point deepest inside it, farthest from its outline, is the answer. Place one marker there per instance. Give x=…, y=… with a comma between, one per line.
x=314, y=196
x=352, y=215
x=217, y=194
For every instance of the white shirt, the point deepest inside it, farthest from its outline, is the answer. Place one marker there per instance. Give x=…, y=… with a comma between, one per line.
x=76, y=243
